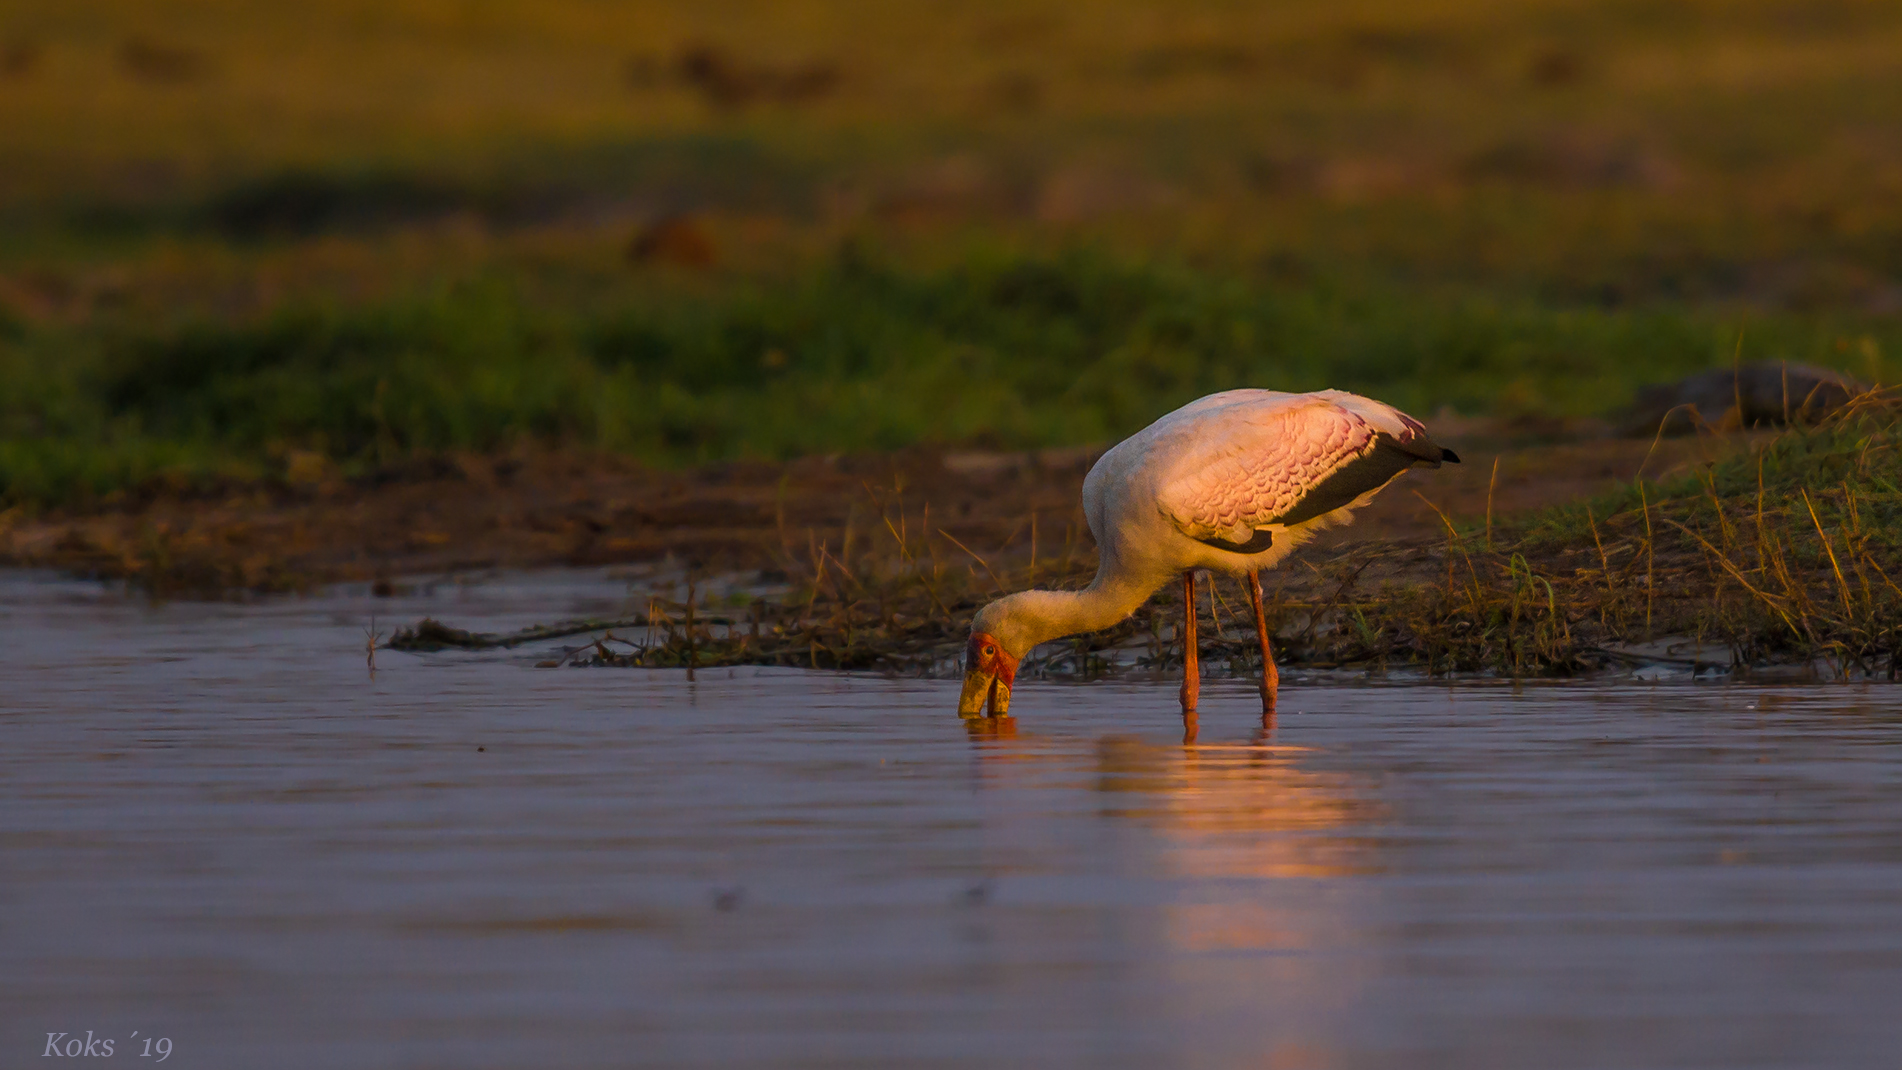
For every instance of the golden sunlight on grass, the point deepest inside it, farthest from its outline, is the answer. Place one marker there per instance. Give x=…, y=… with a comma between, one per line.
x=1354, y=98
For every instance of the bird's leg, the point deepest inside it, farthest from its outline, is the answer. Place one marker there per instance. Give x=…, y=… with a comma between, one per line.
x=1191, y=666
x=1270, y=676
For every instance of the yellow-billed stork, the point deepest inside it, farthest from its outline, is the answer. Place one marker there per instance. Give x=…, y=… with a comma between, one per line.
x=1230, y=483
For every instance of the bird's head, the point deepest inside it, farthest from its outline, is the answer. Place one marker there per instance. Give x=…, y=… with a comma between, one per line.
x=989, y=672
x=1001, y=634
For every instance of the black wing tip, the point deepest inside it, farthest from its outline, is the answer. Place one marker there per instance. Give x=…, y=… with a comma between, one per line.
x=1261, y=542
x=1449, y=456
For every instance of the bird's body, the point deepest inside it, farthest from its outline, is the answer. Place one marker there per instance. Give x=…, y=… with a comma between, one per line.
x=1230, y=483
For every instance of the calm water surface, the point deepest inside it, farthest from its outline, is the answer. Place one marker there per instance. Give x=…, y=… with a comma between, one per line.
x=217, y=827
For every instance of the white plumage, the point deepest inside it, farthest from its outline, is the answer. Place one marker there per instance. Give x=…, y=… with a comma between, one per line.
x=1247, y=461
x=1232, y=483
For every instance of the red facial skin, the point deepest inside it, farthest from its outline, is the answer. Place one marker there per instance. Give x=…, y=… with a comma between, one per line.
x=989, y=672
x=986, y=653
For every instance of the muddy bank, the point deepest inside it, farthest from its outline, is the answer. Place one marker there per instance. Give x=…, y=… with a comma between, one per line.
x=465, y=513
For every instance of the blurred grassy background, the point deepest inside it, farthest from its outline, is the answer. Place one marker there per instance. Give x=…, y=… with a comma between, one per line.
x=234, y=234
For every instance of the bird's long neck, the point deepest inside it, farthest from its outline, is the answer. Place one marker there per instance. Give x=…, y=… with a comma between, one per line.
x=1021, y=621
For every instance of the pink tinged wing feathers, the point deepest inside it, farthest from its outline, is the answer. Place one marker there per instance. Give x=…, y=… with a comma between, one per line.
x=1241, y=467
x=1382, y=416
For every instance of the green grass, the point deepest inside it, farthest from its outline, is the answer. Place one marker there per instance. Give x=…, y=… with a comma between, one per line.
x=1849, y=471
x=1000, y=350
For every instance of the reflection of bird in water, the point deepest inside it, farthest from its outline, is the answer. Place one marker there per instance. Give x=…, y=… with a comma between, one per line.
x=1191, y=791
x=1229, y=813
x=1226, y=800
x=1236, y=813
x=1231, y=483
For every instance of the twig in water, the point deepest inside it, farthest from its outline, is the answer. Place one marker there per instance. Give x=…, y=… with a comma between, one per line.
x=370, y=638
